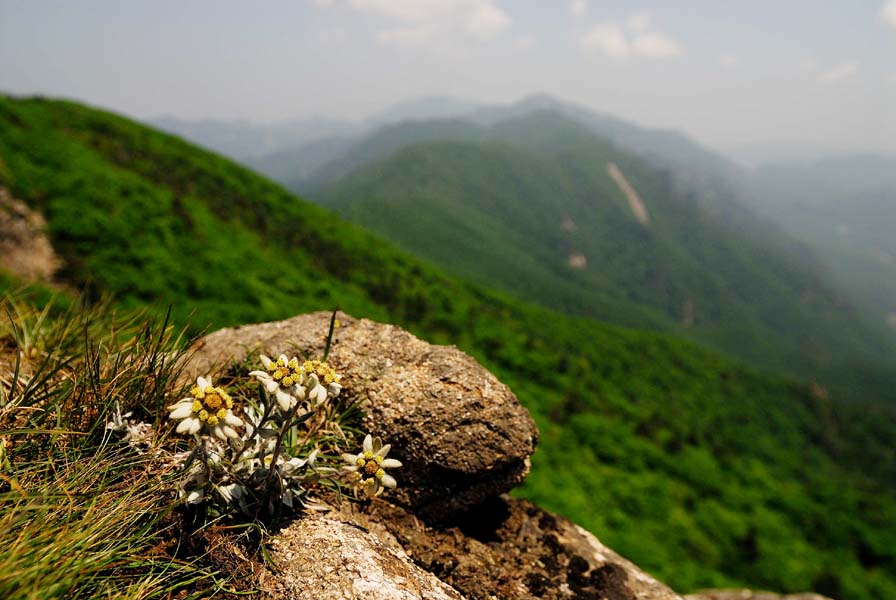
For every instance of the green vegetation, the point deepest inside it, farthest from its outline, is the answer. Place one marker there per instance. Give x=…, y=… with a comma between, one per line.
x=80, y=517
x=510, y=206
x=701, y=470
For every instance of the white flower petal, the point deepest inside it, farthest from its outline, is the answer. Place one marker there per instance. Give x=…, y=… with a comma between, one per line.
x=284, y=400
x=318, y=394
x=232, y=420
x=388, y=481
x=203, y=383
x=384, y=450
x=265, y=361
x=184, y=426
x=228, y=432
x=368, y=443
x=298, y=391
x=181, y=410
x=195, y=425
x=259, y=374
x=195, y=496
x=181, y=402
x=390, y=463
x=283, y=358
x=271, y=386
x=350, y=458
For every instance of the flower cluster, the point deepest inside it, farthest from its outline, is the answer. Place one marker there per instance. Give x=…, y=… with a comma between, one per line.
x=207, y=406
x=291, y=381
x=275, y=451
x=369, y=467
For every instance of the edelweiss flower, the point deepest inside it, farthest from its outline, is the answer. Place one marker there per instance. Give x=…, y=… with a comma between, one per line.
x=321, y=380
x=369, y=466
x=207, y=406
x=283, y=378
x=133, y=432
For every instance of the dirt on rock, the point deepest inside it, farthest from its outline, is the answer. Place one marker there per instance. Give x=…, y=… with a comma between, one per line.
x=509, y=548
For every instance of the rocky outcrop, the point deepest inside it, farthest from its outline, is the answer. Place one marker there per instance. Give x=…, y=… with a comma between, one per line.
x=461, y=434
x=447, y=531
x=509, y=548
x=25, y=249
x=750, y=595
x=319, y=558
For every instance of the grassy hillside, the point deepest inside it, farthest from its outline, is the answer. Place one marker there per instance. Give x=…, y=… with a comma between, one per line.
x=529, y=206
x=703, y=471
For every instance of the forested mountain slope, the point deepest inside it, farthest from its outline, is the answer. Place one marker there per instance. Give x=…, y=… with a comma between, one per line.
x=705, y=471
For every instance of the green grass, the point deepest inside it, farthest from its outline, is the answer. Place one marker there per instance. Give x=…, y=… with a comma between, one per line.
x=701, y=470
x=81, y=516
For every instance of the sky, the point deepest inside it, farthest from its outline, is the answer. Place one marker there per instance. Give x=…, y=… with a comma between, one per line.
x=733, y=75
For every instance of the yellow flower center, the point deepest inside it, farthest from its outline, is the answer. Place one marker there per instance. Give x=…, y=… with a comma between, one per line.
x=213, y=401
x=286, y=373
x=211, y=404
x=371, y=468
x=325, y=373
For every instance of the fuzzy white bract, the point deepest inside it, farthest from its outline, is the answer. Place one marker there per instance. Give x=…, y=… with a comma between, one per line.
x=282, y=378
x=207, y=407
x=369, y=467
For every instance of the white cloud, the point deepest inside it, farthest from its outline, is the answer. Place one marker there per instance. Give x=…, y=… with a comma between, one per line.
x=426, y=19
x=636, y=38
x=887, y=14
x=655, y=45
x=729, y=61
x=486, y=20
x=577, y=8
x=324, y=3
x=405, y=37
x=838, y=73
x=609, y=38
x=639, y=22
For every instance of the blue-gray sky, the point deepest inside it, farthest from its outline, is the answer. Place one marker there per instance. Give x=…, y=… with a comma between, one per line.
x=727, y=73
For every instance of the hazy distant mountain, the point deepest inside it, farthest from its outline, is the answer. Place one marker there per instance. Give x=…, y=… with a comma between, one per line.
x=240, y=139
x=308, y=138
x=845, y=209
x=544, y=208
x=758, y=154
x=669, y=147
x=429, y=107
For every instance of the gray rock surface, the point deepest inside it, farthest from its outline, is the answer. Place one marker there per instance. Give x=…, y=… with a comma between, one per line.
x=319, y=558
x=462, y=435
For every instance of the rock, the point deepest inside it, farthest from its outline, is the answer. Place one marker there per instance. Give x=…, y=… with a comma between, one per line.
x=319, y=558
x=510, y=549
x=25, y=249
x=750, y=595
x=462, y=435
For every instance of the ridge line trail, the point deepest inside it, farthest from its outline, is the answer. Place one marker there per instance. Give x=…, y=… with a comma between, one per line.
x=634, y=201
